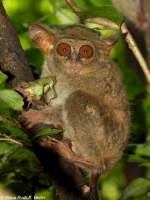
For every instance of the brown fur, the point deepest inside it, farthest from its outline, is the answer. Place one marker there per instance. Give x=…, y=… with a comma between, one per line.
x=93, y=106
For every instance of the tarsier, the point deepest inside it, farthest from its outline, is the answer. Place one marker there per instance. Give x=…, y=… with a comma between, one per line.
x=91, y=104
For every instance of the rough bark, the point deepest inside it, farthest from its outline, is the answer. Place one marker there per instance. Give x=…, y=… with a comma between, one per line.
x=12, y=58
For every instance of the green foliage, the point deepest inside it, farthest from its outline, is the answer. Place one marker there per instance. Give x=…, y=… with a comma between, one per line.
x=138, y=188
x=19, y=167
x=12, y=99
x=47, y=194
x=106, y=11
x=143, y=149
x=141, y=154
x=9, y=98
x=48, y=132
x=3, y=78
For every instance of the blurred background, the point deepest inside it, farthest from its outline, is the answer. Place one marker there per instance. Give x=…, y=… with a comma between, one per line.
x=19, y=169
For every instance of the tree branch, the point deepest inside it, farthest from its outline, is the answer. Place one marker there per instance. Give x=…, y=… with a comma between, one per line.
x=9, y=139
x=66, y=178
x=12, y=58
x=137, y=12
x=137, y=53
x=106, y=23
x=73, y=6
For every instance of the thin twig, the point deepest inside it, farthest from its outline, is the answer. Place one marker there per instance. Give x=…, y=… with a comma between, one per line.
x=11, y=140
x=73, y=6
x=137, y=53
x=106, y=23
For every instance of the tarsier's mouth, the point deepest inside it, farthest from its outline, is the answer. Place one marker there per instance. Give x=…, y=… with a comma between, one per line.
x=74, y=68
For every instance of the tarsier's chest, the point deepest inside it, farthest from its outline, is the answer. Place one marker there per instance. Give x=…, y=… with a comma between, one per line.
x=62, y=94
x=64, y=89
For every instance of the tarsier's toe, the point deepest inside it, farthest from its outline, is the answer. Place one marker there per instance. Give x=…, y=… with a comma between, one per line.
x=48, y=142
x=57, y=145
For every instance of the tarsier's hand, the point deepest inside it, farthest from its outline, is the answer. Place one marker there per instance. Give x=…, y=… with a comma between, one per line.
x=36, y=90
x=32, y=117
x=22, y=89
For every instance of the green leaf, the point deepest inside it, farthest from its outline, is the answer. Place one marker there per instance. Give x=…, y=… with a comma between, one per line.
x=138, y=187
x=137, y=158
x=3, y=78
x=143, y=149
x=132, y=81
x=35, y=57
x=142, y=198
x=146, y=164
x=12, y=99
x=4, y=110
x=48, y=194
x=106, y=11
x=146, y=106
x=48, y=132
x=14, y=132
x=6, y=148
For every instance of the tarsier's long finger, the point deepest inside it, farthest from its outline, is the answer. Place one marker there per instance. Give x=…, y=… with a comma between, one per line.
x=81, y=161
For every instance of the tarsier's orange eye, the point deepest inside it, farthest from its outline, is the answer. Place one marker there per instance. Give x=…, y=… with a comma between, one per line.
x=64, y=49
x=86, y=51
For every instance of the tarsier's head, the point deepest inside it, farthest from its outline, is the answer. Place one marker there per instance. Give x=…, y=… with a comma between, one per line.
x=74, y=49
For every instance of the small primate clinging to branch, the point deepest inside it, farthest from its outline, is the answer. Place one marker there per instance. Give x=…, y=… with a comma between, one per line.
x=91, y=104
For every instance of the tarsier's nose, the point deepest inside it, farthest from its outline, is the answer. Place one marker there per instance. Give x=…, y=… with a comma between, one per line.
x=78, y=57
x=75, y=57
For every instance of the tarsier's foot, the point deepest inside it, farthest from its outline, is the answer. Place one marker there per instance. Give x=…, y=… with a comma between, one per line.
x=63, y=148
x=60, y=147
x=32, y=117
x=95, y=174
x=94, y=185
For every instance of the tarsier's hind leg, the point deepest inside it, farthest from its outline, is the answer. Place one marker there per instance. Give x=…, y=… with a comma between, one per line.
x=64, y=150
x=84, y=115
x=94, y=185
x=89, y=127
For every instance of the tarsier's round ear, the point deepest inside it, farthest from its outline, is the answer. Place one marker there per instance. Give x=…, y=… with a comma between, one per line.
x=43, y=39
x=109, y=42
